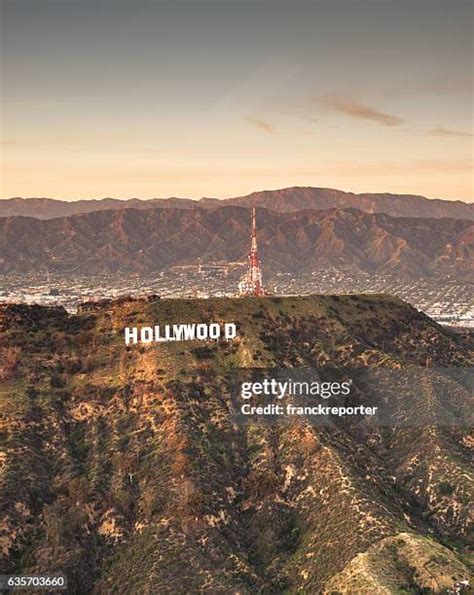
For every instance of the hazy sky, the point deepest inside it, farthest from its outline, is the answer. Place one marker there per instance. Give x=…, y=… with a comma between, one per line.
x=150, y=98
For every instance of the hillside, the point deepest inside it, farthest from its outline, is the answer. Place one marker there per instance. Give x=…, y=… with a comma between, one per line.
x=125, y=468
x=138, y=241
x=285, y=200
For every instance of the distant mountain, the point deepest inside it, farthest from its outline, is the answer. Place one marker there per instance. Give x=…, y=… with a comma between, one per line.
x=125, y=469
x=286, y=200
x=397, y=205
x=132, y=240
x=50, y=208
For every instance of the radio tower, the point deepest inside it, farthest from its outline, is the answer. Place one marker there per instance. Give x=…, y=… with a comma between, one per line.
x=251, y=283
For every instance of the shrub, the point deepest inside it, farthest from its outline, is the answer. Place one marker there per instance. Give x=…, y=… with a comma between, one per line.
x=445, y=488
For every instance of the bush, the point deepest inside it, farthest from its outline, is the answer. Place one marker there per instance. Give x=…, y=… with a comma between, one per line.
x=445, y=488
x=203, y=353
x=56, y=381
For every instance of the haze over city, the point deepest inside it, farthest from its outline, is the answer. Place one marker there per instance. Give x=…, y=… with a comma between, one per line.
x=199, y=99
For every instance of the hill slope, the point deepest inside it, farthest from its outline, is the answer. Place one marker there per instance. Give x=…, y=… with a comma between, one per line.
x=125, y=469
x=131, y=240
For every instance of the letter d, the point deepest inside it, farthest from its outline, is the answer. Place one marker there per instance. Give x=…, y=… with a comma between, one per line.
x=230, y=330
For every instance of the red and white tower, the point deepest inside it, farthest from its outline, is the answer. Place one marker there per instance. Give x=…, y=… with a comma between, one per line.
x=251, y=283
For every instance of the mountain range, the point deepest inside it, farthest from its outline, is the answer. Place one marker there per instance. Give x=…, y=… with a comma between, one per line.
x=125, y=468
x=146, y=241
x=286, y=200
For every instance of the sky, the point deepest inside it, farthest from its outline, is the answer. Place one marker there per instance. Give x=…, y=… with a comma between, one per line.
x=153, y=99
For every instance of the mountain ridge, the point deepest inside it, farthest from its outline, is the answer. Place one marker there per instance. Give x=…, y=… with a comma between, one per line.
x=144, y=241
x=286, y=199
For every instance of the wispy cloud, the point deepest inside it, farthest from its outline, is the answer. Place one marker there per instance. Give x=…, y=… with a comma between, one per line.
x=448, y=132
x=261, y=124
x=357, y=109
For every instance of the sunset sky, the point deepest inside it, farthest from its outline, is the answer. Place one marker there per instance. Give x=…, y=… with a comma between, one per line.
x=152, y=99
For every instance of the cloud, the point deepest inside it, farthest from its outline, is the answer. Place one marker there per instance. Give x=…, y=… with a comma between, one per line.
x=261, y=124
x=357, y=109
x=447, y=132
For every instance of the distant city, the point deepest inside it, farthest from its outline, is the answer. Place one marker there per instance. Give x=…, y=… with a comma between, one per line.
x=447, y=301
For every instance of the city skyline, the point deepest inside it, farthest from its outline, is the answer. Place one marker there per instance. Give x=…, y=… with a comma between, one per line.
x=156, y=99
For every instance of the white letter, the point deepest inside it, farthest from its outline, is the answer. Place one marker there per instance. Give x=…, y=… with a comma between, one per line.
x=131, y=334
x=178, y=330
x=283, y=387
x=158, y=337
x=346, y=388
x=201, y=332
x=246, y=390
x=146, y=334
x=214, y=330
x=230, y=330
x=189, y=331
